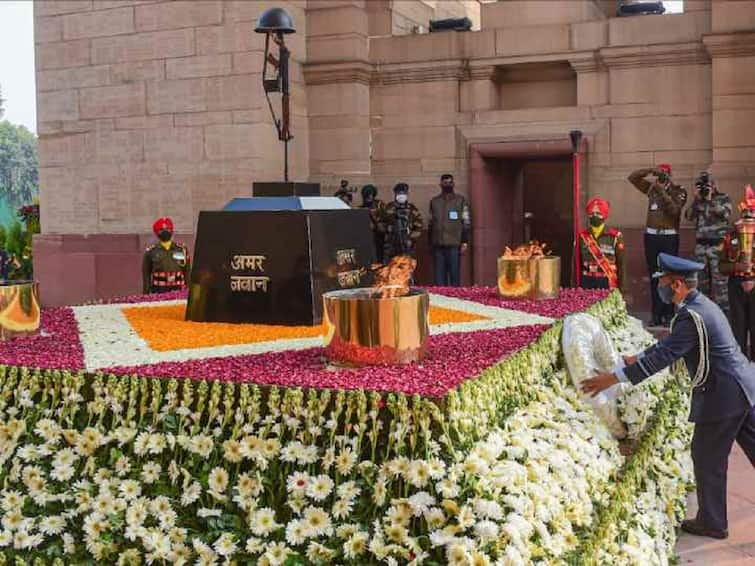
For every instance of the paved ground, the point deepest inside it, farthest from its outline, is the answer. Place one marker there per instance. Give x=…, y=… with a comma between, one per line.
x=739, y=548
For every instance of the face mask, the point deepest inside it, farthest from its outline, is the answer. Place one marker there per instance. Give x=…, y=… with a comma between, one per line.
x=596, y=221
x=447, y=188
x=666, y=293
x=165, y=235
x=368, y=200
x=402, y=198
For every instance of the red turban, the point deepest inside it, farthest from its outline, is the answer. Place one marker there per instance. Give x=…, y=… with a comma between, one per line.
x=163, y=223
x=600, y=204
x=666, y=167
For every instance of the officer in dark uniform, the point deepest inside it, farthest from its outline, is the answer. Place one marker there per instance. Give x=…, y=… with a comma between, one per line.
x=375, y=207
x=723, y=386
x=166, y=264
x=344, y=192
x=665, y=202
x=738, y=261
x=710, y=211
x=401, y=222
x=601, y=250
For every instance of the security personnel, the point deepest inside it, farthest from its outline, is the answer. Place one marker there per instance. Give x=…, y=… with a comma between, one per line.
x=739, y=265
x=710, y=211
x=375, y=207
x=665, y=202
x=601, y=250
x=401, y=223
x=166, y=264
x=723, y=386
x=450, y=229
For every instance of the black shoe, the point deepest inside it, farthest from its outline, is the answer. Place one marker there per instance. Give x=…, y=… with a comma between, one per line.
x=695, y=527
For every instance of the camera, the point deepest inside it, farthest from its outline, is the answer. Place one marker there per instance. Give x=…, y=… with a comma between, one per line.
x=704, y=185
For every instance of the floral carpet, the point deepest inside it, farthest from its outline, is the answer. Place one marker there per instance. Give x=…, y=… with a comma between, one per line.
x=471, y=329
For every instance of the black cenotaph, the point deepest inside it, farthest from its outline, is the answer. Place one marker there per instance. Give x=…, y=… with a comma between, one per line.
x=269, y=258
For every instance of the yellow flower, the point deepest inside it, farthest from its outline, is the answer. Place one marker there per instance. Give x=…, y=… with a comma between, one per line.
x=232, y=451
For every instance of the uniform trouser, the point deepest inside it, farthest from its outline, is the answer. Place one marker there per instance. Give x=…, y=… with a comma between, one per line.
x=710, y=281
x=711, y=446
x=742, y=316
x=655, y=244
x=446, y=264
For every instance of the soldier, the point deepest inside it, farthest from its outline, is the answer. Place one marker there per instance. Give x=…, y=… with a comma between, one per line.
x=723, y=386
x=166, y=264
x=710, y=211
x=601, y=250
x=737, y=262
x=401, y=223
x=665, y=202
x=375, y=206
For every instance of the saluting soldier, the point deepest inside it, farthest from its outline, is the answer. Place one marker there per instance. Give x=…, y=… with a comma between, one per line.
x=723, y=386
x=665, y=202
x=710, y=211
x=601, y=250
x=401, y=223
x=166, y=264
x=737, y=262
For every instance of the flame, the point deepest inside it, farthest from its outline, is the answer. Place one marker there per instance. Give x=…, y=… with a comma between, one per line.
x=533, y=249
x=392, y=280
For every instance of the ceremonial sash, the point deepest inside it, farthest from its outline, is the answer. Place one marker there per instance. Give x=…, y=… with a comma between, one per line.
x=605, y=265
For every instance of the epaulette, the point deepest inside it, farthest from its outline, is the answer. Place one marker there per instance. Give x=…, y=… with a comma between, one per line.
x=150, y=247
x=613, y=232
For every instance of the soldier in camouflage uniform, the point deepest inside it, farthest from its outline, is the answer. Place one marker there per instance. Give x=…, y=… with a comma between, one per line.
x=401, y=222
x=166, y=264
x=710, y=211
x=375, y=206
x=601, y=250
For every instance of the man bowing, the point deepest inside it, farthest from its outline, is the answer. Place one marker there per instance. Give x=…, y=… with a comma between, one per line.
x=723, y=386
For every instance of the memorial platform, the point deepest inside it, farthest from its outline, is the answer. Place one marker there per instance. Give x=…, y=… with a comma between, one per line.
x=183, y=440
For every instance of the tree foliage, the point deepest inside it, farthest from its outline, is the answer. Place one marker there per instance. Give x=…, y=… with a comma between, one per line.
x=19, y=162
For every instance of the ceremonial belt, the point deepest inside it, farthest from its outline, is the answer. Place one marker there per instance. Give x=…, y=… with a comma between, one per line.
x=168, y=279
x=605, y=265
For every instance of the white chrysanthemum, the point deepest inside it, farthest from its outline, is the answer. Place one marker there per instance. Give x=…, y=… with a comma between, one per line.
x=317, y=521
x=297, y=483
x=345, y=461
x=342, y=508
x=421, y=502
x=296, y=532
x=12, y=500
x=457, y=555
x=191, y=493
x=316, y=552
x=319, y=487
x=486, y=531
x=276, y=553
x=52, y=525
x=130, y=489
x=6, y=538
x=419, y=473
x=151, y=472
x=254, y=545
x=356, y=545
x=218, y=480
x=262, y=521
x=348, y=490
x=225, y=545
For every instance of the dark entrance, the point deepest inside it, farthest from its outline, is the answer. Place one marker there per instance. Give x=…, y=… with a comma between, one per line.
x=521, y=192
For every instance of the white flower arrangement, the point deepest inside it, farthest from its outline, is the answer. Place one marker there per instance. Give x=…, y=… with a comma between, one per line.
x=514, y=469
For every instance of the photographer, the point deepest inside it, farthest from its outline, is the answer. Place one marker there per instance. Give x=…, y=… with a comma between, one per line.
x=345, y=192
x=710, y=212
x=665, y=202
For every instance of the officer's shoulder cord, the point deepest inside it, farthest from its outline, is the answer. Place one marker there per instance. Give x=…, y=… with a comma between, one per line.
x=703, y=363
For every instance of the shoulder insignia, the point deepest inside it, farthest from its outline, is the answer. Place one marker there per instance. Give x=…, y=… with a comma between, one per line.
x=613, y=232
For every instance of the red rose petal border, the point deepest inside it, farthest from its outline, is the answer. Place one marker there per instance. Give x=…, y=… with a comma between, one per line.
x=453, y=357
